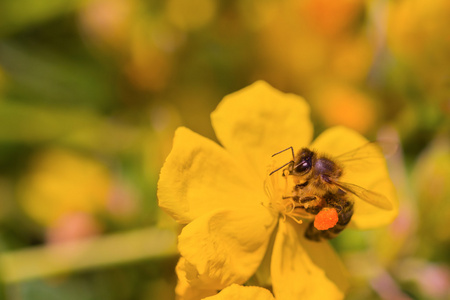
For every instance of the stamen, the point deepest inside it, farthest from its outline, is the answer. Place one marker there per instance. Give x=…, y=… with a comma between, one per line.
x=267, y=189
x=290, y=205
x=276, y=187
x=298, y=221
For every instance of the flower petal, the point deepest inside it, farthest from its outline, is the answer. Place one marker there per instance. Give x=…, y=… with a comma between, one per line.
x=183, y=290
x=226, y=246
x=199, y=176
x=303, y=269
x=258, y=121
x=239, y=292
x=369, y=172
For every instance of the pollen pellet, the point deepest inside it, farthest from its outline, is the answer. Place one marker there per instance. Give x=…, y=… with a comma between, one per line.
x=326, y=219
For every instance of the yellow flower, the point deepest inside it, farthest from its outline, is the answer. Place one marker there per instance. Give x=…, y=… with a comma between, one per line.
x=231, y=206
x=238, y=292
x=61, y=183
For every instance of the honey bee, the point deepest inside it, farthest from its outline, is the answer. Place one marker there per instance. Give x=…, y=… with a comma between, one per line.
x=316, y=187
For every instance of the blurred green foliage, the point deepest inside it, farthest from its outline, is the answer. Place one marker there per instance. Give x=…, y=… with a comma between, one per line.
x=89, y=85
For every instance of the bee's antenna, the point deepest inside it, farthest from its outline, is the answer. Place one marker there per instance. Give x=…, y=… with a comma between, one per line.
x=292, y=150
x=290, y=162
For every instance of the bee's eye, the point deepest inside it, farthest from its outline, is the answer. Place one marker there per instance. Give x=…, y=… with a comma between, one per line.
x=303, y=167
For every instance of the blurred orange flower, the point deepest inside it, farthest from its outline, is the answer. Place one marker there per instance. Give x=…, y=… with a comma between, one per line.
x=340, y=104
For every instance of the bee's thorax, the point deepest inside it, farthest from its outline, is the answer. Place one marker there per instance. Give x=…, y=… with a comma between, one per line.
x=326, y=167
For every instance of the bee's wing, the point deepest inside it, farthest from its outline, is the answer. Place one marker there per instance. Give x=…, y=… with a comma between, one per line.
x=367, y=156
x=369, y=150
x=373, y=198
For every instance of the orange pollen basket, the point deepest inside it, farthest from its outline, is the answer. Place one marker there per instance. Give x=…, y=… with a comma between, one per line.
x=326, y=219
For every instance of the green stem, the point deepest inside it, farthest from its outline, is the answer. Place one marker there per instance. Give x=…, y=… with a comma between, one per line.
x=107, y=250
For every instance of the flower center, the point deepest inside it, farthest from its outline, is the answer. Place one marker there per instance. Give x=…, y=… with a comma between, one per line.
x=279, y=187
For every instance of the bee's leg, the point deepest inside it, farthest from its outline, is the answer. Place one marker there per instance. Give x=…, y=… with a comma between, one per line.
x=314, y=210
x=300, y=186
x=314, y=234
x=344, y=216
x=307, y=199
x=303, y=200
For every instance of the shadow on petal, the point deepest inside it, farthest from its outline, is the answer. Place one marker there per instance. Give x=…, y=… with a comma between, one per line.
x=185, y=291
x=240, y=292
x=302, y=269
x=226, y=246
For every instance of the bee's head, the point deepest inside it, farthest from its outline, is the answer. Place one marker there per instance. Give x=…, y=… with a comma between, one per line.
x=303, y=162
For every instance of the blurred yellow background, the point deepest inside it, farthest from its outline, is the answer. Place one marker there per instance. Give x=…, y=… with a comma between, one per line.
x=91, y=92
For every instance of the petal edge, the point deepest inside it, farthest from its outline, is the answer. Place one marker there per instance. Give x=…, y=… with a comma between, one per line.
x=258, y=121
x=226, y=246
x=199, y=176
